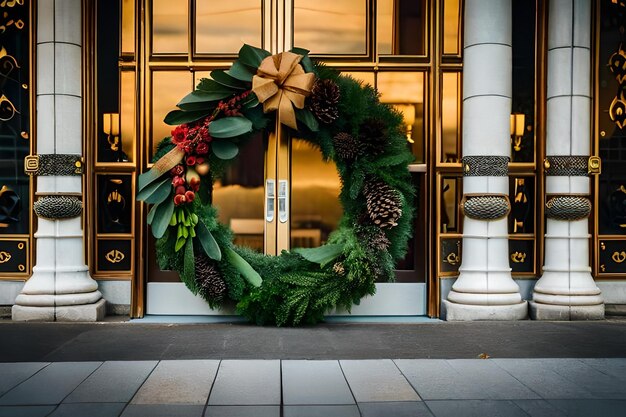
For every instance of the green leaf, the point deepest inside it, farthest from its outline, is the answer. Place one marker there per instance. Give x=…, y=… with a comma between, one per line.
x=244, y=268
x=229, y=127
x=151, y=214
x=161, y=219
x=306, y=117
x=156, y=192
x=257, y=117
x=180, y=242
x=251, y=56
x=189, y=262
x=178, y=117
x=224, y=149
x=208, y=243
x=240, y=72
x=227, y=80
x=322, y=255
x=147, y=178
x=198, y=100
x=306, y=62
x=213, y=89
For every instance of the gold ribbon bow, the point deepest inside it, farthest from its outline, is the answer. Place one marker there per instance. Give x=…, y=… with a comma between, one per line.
x=281, y=84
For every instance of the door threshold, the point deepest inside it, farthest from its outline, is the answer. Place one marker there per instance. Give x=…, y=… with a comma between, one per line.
x=199, y=319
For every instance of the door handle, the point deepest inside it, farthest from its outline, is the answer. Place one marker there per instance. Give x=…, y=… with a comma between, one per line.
x=269, y=200
x=282, y=201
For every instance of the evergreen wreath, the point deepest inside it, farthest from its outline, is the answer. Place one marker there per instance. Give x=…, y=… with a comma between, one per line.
x=346, y=121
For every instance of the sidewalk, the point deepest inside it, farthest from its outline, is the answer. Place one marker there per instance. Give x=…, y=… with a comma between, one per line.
x=346, y=388
x=127, y=369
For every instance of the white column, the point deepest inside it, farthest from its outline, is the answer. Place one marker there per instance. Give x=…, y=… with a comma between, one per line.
x=60, y=288
x=485, y=289
x=567, y=291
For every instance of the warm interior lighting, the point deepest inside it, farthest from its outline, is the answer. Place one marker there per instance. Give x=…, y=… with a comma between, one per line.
x=518, y=122
x=111, y=128
x=408, y=113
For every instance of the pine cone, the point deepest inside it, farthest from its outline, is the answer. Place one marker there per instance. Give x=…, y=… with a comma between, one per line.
x=339, y=269
x=379, y=241
x=373, y=136
x=346, y=146
x=209, y=279
x=324, y=100
x=384, y=204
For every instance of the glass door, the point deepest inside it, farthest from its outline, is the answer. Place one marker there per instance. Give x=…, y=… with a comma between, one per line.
x=167, y=46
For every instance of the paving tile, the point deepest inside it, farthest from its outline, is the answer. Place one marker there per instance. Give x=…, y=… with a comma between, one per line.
x=26, y=411
x=247, y=382
x=17, y=372
x=113, y=382
x=402, y=409
x=615, y=367
x=587, y=408
x=475, y=408
x=599, y=384
x=163, y=410
x=50, y=385
x=542, y=378
x=242, y=411
x=89, y=409
x=178, y=382
x=314, y=382
x=539, y=408
x=377, y=380
x=321, y=411
x=462, y=379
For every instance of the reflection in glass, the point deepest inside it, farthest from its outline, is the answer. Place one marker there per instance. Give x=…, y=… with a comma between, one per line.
x=451, y=17
x=522, y=196
x=128, y=26
x=169, y=26
x=115, y=203
x=331, y=27
x=128, y=96
x=315, y=207
x=222, y=27
x=401, y=27
x=168, y=87
x=405, y=91
x=239, y=194
x=450, y=117
x=450, y=193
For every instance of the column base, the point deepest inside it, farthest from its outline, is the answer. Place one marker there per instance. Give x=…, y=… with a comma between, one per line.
x=467, y=312
x=551, y=312
x=86, y=312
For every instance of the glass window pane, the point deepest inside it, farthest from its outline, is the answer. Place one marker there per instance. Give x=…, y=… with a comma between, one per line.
x=522, y=196
x=224, y=27
x=315, y=207
x=401, y=27
x=239, y=194
x=128, y=95
x=405, y=91
x=365, y=77
x=169, y=26
x=450, y=195
x=115, y=203
x=450, y=117
x=168, y=87
x=451, y=17
x=331, y=27
x=128, y=26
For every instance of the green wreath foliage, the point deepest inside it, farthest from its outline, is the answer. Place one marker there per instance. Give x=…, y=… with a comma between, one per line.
x=301, y=285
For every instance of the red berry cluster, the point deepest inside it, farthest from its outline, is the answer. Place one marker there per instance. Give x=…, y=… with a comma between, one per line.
x=232, y=107
x=193, y=138
x=185, y=186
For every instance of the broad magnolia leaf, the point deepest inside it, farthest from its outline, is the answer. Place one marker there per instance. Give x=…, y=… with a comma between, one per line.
x=202, y=98
x=251, y=56
x=227, y=80
x=322, y=255
x=244, y=268
x=306, y=62
x=156, y=192
x=240, y=72
x=306, y=117
x=224, y=149
x=212, y=87
x=229, y=127
x=162, y=217
x=208, y=243
x=178, y=117
x=151, y=213
x=189, y=262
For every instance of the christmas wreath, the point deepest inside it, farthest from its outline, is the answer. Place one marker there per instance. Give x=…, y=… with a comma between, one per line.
x=346, y=121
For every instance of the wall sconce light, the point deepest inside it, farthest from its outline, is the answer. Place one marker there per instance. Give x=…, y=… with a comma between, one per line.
x=111, y=128
x=518, y=125
x=408, y=113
